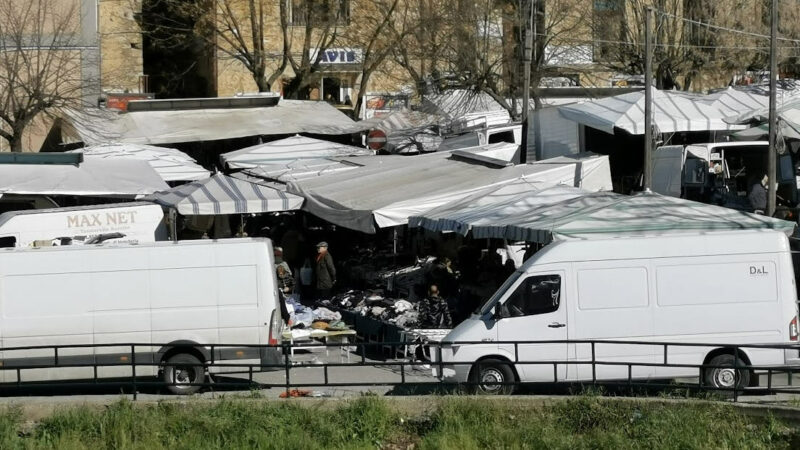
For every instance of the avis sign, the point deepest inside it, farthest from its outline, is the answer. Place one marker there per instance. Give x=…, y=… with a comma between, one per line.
x=337, y=55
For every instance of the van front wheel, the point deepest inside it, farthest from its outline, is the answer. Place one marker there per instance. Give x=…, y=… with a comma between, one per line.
x=183, y=373
x=725, y=376
x=488, y=377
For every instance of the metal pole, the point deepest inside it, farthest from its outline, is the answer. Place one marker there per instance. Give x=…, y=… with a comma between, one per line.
x=527, y=49
x=773, y=119
x=648, y=100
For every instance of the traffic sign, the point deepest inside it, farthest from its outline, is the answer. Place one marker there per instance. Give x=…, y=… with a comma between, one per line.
x=376, y=139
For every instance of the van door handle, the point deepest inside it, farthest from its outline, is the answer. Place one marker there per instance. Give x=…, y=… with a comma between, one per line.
x=557, y=325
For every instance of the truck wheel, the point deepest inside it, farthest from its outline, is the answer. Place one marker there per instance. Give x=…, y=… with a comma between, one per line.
x=726, y=377
x=181, y=371
x=486, y=377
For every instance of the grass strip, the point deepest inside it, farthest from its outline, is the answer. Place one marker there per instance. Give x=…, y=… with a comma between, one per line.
x=372, y=422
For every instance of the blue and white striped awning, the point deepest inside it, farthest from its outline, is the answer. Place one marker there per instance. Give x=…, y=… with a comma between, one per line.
x=222, y=194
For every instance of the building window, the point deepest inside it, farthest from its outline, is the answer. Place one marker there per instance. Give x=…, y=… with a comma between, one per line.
x=320, y=13
x=608, y=16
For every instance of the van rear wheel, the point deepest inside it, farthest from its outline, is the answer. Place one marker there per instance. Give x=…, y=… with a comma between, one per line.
x=487, y=377
x=725, y=376
x=181, y=372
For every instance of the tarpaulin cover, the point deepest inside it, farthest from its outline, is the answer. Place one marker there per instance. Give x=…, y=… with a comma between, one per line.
x=301, y=169
x=93, y=177
x=732, y=101
x=523, y=213
x=788, y=119
x=193, y=125
x=171, y=164
x=222, y=194
x=287, y=150
x=672, y=112
x=387, y=190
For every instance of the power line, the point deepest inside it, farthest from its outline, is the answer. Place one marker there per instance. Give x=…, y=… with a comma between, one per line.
x=708, y=47
x=721, y=28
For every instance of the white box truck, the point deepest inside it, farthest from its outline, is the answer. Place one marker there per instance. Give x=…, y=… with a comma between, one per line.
x=718, y=288
x=133, y=223
x=175, y=299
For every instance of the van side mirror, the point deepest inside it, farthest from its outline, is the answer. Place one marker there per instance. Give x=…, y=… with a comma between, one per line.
x=500, y=312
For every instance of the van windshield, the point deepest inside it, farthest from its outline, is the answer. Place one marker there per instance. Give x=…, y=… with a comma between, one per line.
x=500, y=291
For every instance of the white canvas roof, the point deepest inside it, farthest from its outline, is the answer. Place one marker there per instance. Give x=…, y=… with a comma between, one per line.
x=388, y=190
x=191, y=125
x=222, y=194
x=732, y=101
x=93, y=177
x=300, y=169
x=789, y=120
x=285, y=151
x=672, y=112
x=171, y=164
x=515, y=212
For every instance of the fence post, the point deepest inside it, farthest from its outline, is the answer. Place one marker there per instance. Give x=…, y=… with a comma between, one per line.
x=133, y=371
x=439, y=360
x=287, y=365
x=594, y=372
x=735, y=374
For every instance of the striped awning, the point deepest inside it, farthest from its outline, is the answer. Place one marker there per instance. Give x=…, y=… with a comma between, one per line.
x=222, y=194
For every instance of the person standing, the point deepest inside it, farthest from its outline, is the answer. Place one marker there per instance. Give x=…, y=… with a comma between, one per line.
x=325, y=271
x=433, y=310
x=758, y=195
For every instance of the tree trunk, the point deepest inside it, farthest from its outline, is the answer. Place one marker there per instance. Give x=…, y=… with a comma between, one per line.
x=362, y=86
x=16, y=143
x=262, y=83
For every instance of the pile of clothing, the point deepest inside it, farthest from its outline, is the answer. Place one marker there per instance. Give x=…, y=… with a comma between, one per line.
x=373, y=304
x=403, y=280
x=301, y=317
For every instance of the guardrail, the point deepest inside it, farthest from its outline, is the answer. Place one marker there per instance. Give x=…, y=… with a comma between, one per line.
x=138, y=355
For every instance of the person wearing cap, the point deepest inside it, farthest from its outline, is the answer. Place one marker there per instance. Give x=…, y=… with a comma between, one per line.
x=325, y=271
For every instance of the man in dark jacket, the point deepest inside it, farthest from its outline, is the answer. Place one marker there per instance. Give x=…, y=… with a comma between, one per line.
x=325, y=271
x=433, y=311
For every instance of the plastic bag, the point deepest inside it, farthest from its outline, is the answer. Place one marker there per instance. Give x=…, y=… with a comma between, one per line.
x=306, y=274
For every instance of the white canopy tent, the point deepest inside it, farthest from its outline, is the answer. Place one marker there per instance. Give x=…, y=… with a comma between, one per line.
x=285, y=151
x=788, y=118
x=222, y=194
x=388, y=190
x=92, y=177
x=193, y=125
x=300, y=169
x=732, y=101
x=171, y=164
x=672, y=112
x=569, y=213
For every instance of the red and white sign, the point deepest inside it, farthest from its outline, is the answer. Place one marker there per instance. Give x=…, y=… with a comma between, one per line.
x=376, y=139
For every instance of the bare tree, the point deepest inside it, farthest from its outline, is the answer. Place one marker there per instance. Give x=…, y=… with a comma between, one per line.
x=476, y=45
x=686, y=50
x=317, y=24
x=40, y=63
x=376, y=19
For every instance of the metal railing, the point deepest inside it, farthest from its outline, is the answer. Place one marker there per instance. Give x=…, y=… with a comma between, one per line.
x=138, y=355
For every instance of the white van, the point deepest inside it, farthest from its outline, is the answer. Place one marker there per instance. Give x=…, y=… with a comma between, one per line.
x=719, y=288
x=136, y=222
x=180, y=297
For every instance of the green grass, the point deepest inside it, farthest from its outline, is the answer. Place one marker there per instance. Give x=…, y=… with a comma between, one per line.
x=372, y=422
